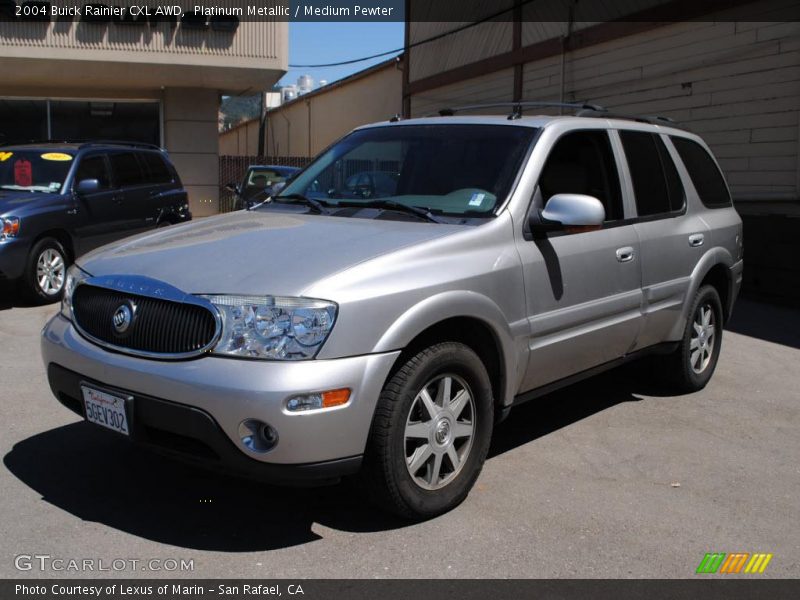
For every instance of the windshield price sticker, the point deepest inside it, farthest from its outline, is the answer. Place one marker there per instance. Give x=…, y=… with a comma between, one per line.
x=56, y=156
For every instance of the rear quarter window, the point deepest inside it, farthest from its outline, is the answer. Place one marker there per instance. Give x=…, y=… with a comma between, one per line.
x=155, y=168
x=704, y=173
x=126, y=168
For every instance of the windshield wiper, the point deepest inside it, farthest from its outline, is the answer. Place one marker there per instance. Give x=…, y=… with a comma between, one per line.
x=425, y=213
x=319, y=207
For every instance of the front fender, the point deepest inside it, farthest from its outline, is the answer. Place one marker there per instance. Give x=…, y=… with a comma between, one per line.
x=456, y=304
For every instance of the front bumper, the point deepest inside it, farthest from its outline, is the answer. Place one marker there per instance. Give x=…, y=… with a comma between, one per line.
x=13, y=256
x=203, y=401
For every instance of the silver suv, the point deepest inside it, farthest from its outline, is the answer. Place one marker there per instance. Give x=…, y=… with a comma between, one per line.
x=333, y=331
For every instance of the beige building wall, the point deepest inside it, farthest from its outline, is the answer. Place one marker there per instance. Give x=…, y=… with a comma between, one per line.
x=240, y=140
x=309, y=124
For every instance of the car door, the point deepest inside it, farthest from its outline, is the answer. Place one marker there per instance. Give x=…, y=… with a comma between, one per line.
x=583, y=287
x=672, y=239
x=96, y=216
x=134, y=190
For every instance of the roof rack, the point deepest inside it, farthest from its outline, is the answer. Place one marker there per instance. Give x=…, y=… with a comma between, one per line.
x=86, y=144
x=517, y=108
x=606, y=114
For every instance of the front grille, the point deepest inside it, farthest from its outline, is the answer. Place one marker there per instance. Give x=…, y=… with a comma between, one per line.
x=159, y=327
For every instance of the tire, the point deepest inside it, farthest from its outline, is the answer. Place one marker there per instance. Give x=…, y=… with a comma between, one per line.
x=411, y=426
x=46, y=271
x=691, y=366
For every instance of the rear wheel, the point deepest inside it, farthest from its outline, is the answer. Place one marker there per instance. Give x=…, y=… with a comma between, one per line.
x=431, y=432
x=46, y=271
x=691, y=366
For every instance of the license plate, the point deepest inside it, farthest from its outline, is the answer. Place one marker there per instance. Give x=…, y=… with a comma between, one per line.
x=106, y=409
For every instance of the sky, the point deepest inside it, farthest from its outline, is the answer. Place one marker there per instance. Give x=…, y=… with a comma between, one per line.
x=315, y=43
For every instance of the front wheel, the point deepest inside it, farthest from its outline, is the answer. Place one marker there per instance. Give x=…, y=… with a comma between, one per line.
x=430, y=433
x=46, y=271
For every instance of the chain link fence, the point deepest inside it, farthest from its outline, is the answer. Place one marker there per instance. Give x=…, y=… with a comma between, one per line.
x=233, y=168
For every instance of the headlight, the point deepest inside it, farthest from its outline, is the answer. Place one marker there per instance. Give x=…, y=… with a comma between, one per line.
x=271, y=327
x=74, y=276
x=9, y=227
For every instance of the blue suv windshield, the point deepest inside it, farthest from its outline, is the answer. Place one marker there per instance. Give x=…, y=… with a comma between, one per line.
x=446, y=169
x=33, y=170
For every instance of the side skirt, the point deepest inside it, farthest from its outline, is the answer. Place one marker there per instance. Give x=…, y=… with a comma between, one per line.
x=664, y=348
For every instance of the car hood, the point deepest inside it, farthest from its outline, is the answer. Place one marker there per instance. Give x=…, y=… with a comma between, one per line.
x=257, y=252
x=14, y=202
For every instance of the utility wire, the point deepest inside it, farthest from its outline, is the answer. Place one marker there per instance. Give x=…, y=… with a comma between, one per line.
x=415, y=44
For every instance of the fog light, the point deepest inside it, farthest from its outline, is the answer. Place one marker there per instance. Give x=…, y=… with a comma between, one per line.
x=317, y=400
x=258, y=436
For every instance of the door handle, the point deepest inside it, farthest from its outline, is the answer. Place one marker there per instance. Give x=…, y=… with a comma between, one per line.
x=625, y=254
x=696, y=239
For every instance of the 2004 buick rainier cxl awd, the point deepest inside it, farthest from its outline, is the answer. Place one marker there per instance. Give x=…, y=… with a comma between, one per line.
x=383, y=332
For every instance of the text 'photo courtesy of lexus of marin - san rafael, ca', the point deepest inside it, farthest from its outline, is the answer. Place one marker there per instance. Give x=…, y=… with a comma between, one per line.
x=382, y=331
x=59, y=200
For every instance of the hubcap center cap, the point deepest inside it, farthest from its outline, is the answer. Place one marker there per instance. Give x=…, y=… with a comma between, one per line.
x=441, y=432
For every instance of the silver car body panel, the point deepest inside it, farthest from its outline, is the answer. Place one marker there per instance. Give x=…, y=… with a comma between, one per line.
x=555, y=306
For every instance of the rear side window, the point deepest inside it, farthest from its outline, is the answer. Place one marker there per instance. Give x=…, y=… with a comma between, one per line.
x=656, y=183
x=156, y=170
x=94, y=167
x=126, y=169
x=704, y=173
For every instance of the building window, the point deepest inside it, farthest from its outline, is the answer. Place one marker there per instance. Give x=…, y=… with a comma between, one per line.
x=22, y=120
x=100, y=120
x=25, y=120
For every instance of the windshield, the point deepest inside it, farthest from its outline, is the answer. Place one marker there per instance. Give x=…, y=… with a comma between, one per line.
x=447, y=169
x=33, y=170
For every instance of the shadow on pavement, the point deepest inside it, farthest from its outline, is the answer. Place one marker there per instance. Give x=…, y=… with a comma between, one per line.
x=98, y=476
x=769, y=322
x=10, y=297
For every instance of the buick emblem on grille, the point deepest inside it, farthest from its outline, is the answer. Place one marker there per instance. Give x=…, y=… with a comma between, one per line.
x=123, y=317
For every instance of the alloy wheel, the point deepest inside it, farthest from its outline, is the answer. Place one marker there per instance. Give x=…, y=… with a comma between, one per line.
x=701, y=347
x=439, y=431
x=50, y=271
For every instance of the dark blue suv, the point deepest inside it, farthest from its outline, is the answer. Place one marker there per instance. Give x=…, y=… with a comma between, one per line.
x=59, y=200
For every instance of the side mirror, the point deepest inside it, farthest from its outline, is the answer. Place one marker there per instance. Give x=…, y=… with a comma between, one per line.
x=232, y=187
x=87, y=186
x=568, y=210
